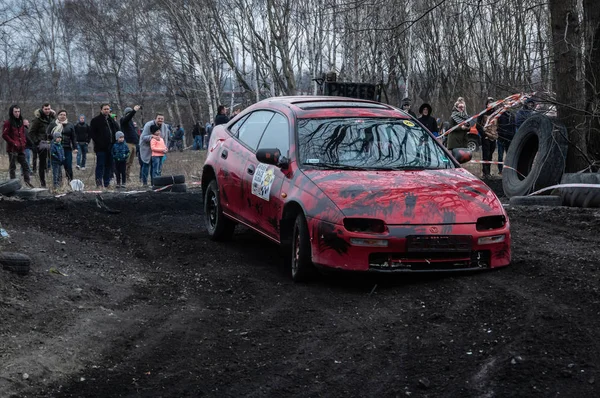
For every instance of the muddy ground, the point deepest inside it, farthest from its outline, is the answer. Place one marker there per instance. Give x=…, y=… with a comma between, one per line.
x=148, y=306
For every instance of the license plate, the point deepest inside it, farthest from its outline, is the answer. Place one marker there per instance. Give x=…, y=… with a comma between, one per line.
x=438, y=243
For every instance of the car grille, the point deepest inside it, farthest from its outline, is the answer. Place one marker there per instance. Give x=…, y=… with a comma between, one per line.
x=433, y=253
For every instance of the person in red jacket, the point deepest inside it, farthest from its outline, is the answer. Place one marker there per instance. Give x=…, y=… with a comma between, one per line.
x=14, y=134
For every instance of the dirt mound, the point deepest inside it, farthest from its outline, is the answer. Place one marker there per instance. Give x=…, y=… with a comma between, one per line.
x=141, y=303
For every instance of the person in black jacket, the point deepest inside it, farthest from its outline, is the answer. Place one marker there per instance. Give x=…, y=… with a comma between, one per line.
x=131, y=136
x=406, y=104
x=427, y=120
x=69, y=141
x=221, y=117
x=506, y=132
x=41, y=142
x=82, y=134
x=102, y=131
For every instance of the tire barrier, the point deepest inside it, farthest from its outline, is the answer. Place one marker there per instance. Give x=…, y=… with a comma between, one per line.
x=9, y=187
x=536, y=200
x=587, y=195
x=536, y=157
x=15, y=262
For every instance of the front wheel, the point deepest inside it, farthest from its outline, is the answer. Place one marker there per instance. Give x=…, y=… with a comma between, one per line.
x=219, y=227
x=302, y=267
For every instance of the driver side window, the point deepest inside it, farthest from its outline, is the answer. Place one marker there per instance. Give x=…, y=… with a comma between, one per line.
x=252, y=129
x=277, y=135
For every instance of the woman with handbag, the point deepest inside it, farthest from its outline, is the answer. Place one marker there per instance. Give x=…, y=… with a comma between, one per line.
x=41, y=143
x=69, y=140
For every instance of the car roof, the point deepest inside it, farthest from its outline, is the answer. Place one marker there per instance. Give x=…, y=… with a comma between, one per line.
x=330, y=106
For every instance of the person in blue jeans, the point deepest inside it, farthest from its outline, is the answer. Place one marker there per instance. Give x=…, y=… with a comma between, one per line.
x=57, y=158
x=82, y=134
x=102, y=131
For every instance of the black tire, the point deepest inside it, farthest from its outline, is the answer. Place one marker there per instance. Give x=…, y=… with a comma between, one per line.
x=536, y=157
x=581, y=197
x=26, y=193
x=301, y=265
x=536, y=200
x=218, y=225
x=15, y=262
x=163, y=181
x=173, y=188
x=10, y=186
x=472, y=144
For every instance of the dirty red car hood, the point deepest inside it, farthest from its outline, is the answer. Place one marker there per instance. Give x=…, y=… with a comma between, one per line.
x=408, y=197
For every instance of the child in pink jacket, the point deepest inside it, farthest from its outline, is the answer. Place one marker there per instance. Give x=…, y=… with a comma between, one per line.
x=158, y=147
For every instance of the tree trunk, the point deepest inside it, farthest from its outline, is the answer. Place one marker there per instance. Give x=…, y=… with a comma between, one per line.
x=591, y=22
x=567, y=39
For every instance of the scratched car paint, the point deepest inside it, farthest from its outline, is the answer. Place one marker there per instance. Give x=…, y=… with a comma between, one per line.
x=351, y=185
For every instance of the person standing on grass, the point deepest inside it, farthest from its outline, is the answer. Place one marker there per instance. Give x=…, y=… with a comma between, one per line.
x=158, y=124
x=158, y=147
x=82, y=133
x=120, y=154
x=57, y=159
x=41, y=142
x=102, y=131
x=68, y=141
x=129, y=129
x=14, y=133
x=28, y=146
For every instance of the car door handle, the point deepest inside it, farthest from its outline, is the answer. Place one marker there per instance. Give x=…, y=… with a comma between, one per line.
x=224, y=154
x=250, y=170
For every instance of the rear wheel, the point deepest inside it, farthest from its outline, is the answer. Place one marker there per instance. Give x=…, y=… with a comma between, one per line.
x=302, y=267
x=219, y=227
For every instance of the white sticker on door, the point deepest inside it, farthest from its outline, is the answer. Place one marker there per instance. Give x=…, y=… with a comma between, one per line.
x=262, y=181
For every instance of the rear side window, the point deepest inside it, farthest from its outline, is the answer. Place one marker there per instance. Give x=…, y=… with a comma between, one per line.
x=277, y=135
x=253, y=127
x=234, y=129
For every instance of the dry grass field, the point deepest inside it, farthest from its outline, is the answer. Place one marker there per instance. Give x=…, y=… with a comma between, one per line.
x=188, y=163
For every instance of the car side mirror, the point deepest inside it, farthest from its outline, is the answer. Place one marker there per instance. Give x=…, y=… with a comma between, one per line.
x=462, y=155
x=272, y=156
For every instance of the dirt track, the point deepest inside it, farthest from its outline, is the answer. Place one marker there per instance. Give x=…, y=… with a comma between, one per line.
x=169, y=313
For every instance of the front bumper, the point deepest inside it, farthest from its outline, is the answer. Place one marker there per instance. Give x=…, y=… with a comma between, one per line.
x=410, y=248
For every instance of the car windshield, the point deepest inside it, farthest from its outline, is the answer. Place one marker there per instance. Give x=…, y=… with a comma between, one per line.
x=368, y=143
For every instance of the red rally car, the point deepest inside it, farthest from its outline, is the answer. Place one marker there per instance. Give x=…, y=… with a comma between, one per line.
x=352, y=185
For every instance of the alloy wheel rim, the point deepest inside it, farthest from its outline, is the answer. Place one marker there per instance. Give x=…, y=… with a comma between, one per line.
x=212, y=213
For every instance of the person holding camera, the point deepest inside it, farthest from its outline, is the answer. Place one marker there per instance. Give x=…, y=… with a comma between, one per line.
x=131, y=136
x=458, y=137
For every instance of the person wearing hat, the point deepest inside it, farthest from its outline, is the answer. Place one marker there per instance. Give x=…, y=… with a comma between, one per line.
x=120, y=154
x=427, y=120
x=405, y=104
x=57, y=158
x=131, y=136
x=525, y=112
x=458, y=137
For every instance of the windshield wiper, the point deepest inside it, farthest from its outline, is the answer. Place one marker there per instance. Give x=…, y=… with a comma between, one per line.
x=334, y=166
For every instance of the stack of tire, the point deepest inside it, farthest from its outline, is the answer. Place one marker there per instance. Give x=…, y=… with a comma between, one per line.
x=13, y=188
x=535, y=160
x=169, y=184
